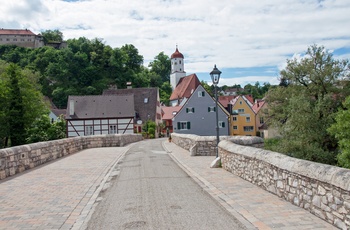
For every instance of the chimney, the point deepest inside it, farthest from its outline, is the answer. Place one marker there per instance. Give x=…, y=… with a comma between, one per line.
x=71, y=107
x=128, y=85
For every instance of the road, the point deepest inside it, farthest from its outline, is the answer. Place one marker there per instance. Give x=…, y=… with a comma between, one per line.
x=150, y=191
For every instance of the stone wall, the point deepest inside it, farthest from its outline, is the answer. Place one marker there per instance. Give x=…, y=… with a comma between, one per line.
x=17, y=159
x=323, y=190
x=206, y=145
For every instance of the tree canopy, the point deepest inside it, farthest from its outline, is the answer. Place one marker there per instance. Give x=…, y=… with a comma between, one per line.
x=303, y=107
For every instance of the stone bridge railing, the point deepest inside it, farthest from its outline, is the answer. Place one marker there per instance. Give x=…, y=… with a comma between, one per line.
x=206, y=145
x=17, y=159
x=324, y=190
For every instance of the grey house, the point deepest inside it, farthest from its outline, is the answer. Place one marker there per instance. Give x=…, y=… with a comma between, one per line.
x=198, y=116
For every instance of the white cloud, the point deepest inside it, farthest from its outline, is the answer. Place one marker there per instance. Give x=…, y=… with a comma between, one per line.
x=229, y=33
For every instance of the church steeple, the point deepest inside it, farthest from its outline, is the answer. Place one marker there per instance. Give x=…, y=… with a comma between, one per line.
x=177, y=68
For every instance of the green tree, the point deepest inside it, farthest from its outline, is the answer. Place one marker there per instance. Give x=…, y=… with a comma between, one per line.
x=161, y=66
x=43, y=130
x=304, y=109
x=341, y=130
x=22, y=104
x=52, y=36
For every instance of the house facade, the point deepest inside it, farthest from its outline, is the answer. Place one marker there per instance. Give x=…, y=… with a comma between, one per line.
x=243, y=118
x=198, y=115
x=168, y=113
x=261, y=110
x=22, y=38
x=146, y=105
x=103, y=114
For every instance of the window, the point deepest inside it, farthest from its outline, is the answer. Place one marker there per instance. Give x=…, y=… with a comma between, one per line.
x=221, y=124
x=201, y=94
x=240, y=110
x=234, y=118
x=184, y=125
x=235, y=111
x=240, y=102
x=112, y=129
x=190, y=110
x=180, y=62
x=247, y=119
x=248, y=128
x=211, y=109
x=261, y=120
x=145, y=100
x=235, y=127
x=89, y=130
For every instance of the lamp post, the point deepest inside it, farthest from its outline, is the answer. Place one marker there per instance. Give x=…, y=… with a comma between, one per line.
x=215, y=77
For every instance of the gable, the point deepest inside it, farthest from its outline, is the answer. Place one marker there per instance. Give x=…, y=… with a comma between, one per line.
x=239, y=103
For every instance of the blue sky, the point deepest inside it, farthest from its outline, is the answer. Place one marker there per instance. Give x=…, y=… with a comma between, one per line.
x=248, y=40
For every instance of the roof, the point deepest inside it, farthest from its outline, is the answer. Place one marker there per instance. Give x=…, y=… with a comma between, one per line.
x=145, y=110
x=169, y=112
x=185, y=87
x=16, y=32
x=101, y=106
x=257, y=106
x=58, y=112
x=250, y=98
x=225, y=100
x=177, y=54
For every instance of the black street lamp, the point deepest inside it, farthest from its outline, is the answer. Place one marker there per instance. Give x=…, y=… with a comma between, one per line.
x=215, y=77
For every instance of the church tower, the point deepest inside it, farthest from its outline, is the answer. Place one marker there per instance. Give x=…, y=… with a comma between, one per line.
x=177, y=68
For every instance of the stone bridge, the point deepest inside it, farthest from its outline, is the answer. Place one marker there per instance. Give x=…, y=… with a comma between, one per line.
x=322, y=190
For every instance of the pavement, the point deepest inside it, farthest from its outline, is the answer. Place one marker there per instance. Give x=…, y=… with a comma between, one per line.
x=62, y=194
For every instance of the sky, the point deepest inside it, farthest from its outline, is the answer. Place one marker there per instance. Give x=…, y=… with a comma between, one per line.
x=248, y=40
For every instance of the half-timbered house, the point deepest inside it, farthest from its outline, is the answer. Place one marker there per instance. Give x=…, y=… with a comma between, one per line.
x=102, y=114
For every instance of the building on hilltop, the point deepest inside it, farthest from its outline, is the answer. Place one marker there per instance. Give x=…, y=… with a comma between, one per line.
x=22, y=38
x=26, y=38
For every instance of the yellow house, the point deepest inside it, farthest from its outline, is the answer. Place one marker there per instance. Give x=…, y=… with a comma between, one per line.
x=242, y=121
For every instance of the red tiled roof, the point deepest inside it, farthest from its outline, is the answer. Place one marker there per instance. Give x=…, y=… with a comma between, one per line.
x=177, y=54
x=257, y=106
x=250, y=98
x=185, y=87
x=225, y=100
x=15, y=32
x=169, y=112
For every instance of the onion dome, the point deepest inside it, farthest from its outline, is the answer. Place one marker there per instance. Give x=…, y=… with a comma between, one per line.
x=177, y=54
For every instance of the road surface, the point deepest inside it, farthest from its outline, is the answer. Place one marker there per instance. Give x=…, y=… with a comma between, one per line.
x=150, y=191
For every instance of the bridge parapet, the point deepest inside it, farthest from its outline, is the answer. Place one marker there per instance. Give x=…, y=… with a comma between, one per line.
x=323, y=190
x=205, y=145
x=20, y=158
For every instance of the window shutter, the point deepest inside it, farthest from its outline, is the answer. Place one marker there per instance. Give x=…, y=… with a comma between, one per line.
x=178, y=126
x=186, y=110
x=223, y=124
x=203, y=94
x=192, y=110
x=188, y=125
x=214, y=109
x=208, y=109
